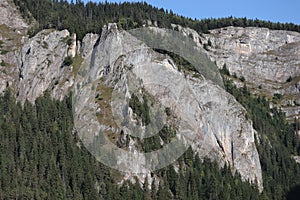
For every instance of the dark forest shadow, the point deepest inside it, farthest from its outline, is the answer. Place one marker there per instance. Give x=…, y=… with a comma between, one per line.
x=294, y=193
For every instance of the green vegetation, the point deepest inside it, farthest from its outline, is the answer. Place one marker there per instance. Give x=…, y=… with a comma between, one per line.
x=3, y=52
x=166, y=134
x=80, y=18
x=242, y=78
x=140, y=108
x=40, y=159
x=69, y=41
x=1, y=43
x=168, y=111
x=276, y=142
x=2, y=63
x=67, y=61
x=4, y=70
x=181, y=63
x=209, y=43
x=77, y=60
x=224, y=70
x=277, y=98
x=45, y=45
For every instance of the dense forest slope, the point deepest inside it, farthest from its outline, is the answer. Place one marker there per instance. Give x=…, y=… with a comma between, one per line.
x=42, y=156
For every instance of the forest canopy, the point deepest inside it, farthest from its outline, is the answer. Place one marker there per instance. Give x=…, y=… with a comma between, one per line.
x=82, y=18
x=42, y=157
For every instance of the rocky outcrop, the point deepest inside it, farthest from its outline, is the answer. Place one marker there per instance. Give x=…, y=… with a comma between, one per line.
x=11, y=16
x=266, y=60
x=297, y=159
x=12, y=30
x=32, y=66
x=43, y=65
x=72, y=51
x=13, y=35
x=88, y=43
x=269, y=60
x=213, y=120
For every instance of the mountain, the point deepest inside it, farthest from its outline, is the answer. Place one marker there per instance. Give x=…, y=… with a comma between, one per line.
x=268, y=60
x=116, y=81
x=215, y=121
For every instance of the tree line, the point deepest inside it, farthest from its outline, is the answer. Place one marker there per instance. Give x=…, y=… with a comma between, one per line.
x=276, y=140
x=82, y=18
x=43, y=158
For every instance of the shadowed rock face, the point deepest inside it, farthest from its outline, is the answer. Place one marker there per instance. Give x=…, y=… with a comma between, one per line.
x=214, y=119
x=265, y=58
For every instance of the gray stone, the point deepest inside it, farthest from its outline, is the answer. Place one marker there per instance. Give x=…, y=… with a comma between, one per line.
x=42, y=66
x=11, y=16
x=265, y=58
x=213, y=118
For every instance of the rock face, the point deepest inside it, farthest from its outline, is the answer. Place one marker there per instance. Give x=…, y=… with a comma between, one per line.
x=297, y=159
x=32, y=66
x=11, y=16
x=88, y=44
x=43, y=66
x=211, y=116
x=214, y=119
x=269, y=60
x=12, y=30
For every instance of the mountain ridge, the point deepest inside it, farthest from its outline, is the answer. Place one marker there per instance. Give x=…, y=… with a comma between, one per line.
x=49, y=61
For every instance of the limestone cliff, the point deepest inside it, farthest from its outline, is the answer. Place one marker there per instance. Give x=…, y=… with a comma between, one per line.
x=30, y=66
x=13, y=30
x=267, y=60
x=48, y=62
x=43, y=65
x=215, y=121
x=11, y=17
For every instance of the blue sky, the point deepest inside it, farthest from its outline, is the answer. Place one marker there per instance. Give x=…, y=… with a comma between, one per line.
x=273, y=10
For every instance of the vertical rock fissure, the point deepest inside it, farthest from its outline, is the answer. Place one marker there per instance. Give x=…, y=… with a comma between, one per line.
x=232, y=156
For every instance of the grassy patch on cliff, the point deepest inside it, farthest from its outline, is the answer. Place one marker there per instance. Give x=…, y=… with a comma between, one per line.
x=105, y=115
x=77, y=61
x=11, y=39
